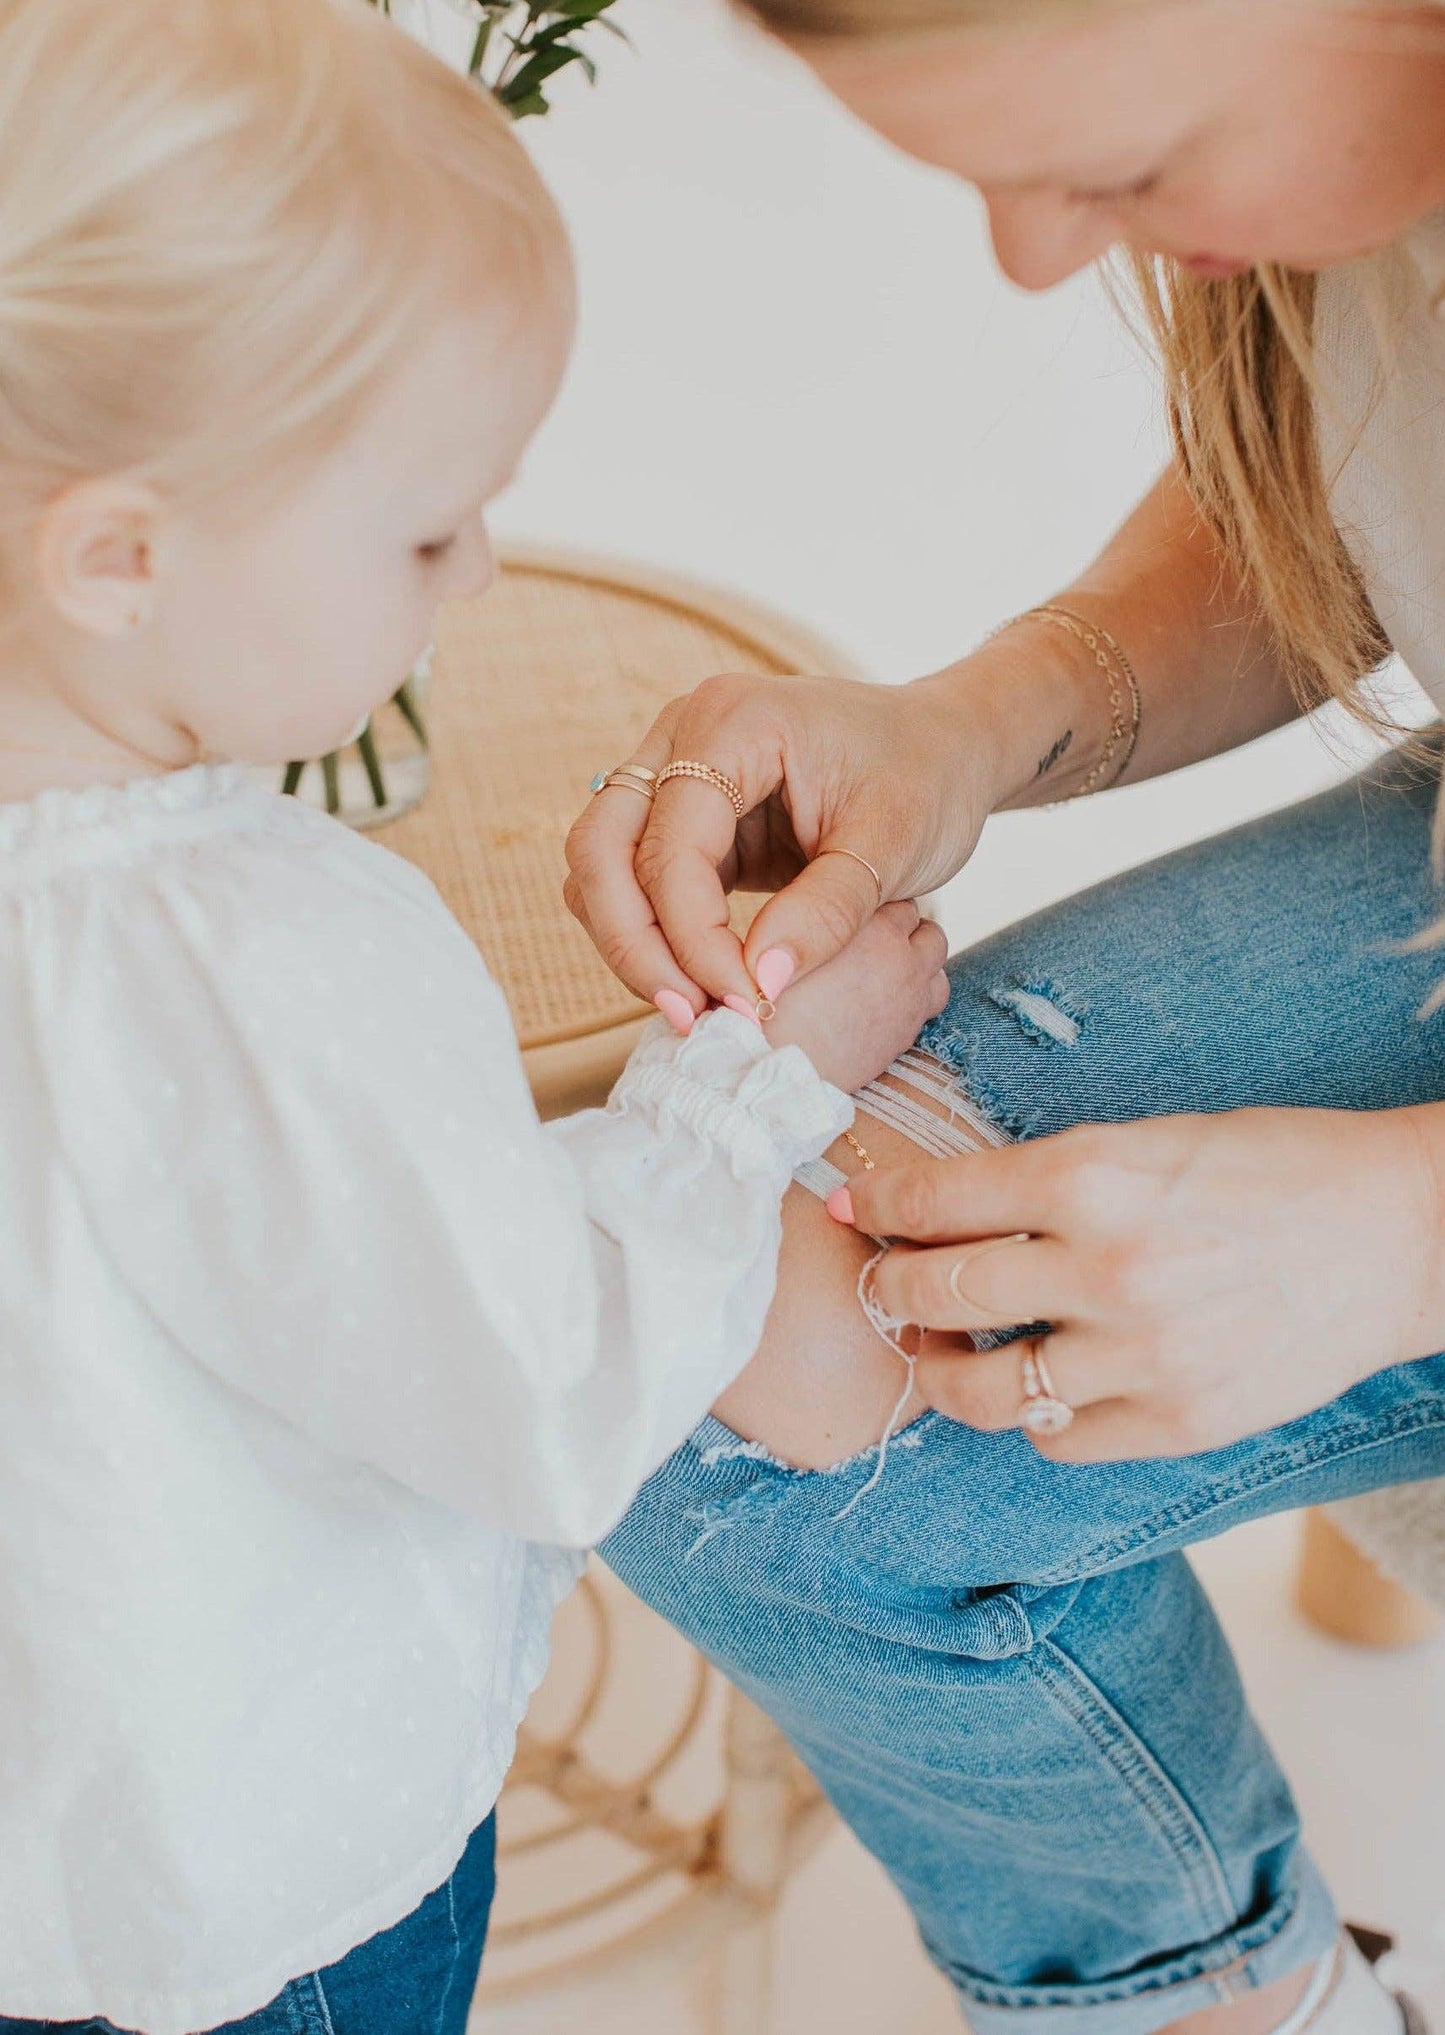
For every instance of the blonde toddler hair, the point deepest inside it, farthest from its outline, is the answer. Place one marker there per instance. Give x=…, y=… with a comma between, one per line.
x=220, y=223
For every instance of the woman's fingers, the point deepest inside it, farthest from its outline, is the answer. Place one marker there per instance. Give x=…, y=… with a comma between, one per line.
x=985, y=1388
x=691, y=833
x=1117, y=1430
x=934, y=1201
x=825, y=907
x=603, y=891
x=996, y=1282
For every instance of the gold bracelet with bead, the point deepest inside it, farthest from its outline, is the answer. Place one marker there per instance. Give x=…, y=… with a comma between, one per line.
x=856, y=1146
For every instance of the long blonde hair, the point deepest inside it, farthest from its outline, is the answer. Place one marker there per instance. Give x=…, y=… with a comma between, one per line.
x=1241, y=387
x=219, y=221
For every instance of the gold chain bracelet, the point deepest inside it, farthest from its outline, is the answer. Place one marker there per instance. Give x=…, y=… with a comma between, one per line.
x=855, y=1145
x=1126, y=705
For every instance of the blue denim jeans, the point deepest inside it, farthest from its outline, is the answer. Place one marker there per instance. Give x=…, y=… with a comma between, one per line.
x=1001, y=1669
x=415, y=1979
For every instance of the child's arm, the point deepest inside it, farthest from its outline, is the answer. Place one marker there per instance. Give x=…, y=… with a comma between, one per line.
x=320, y=1169
x=823, y=1384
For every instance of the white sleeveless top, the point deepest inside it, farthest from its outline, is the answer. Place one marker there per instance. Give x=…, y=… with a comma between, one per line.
x=309, y=1334
x=1380, y=339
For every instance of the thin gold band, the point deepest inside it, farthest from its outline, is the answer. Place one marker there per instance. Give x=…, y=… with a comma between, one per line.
x=971, y=1257
x=854, y=856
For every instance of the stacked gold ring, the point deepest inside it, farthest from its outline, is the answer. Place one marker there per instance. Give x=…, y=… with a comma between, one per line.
x=705, y=774
x=630, y=776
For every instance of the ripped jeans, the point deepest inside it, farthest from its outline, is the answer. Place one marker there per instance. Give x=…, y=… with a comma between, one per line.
x=1001, y=1669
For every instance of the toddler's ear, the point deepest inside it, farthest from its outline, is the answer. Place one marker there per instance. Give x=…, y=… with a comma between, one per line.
x=95, y=548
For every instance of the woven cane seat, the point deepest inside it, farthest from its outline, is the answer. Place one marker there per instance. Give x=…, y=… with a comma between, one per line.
x=550, y=678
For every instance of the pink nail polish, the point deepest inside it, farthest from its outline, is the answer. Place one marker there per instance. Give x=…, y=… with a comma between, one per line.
x=743, y=1008
x=840, y=1206
x=775, y=971
x=677, y=1010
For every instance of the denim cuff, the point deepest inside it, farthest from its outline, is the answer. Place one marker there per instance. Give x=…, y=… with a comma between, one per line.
x=1301, y=1930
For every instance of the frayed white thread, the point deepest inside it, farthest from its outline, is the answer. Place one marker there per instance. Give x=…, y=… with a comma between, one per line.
x=709, y=1532
x=737, y=1451
x=890, y=1331
x=1042, y=1013
x=931, y=1077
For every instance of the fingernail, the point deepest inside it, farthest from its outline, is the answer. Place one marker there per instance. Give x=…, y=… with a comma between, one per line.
x=840, y=1206
x=677, y=1010
x=744, y=1009
x=775, y=971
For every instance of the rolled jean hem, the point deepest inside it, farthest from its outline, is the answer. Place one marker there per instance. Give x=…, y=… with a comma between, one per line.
x=1310, y=1931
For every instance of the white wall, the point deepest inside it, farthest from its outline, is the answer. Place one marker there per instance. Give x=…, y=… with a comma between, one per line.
x=800, y=375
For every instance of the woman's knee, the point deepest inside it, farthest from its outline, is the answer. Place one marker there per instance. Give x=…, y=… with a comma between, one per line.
x=1190, y=984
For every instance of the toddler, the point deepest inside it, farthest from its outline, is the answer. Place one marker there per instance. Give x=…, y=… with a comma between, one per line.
x=317, y=1353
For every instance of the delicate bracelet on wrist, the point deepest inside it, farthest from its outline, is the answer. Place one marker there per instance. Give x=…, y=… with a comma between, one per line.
x=860, y=1151
x=1126, y=706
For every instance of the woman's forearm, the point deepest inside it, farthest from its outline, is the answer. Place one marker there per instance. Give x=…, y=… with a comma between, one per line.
x=1209, y=675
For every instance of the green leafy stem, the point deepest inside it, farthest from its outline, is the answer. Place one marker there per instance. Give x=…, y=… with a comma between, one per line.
x=518, y=48
x=521, y=45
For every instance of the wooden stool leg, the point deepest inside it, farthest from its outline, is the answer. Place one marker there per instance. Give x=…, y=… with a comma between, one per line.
x=1340, y=1590
x=758, y=1797
x=757, y=1802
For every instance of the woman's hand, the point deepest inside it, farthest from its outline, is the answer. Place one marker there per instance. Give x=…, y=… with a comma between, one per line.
x=903, y=776
x=859, y=1011
x=1206, y=1277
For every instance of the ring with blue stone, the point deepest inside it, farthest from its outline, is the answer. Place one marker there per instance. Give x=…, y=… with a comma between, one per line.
x=630, y=777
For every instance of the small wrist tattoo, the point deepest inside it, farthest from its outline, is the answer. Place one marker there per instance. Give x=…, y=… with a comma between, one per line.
x=1059, y=750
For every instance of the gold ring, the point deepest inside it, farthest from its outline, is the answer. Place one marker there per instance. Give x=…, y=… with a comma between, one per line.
x=854, y=856
x=630, y=776
x=705, y=774
x=971, y=1257
x=1042, y=1412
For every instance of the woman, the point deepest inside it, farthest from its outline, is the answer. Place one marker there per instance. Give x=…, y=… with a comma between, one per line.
x=998, y=1664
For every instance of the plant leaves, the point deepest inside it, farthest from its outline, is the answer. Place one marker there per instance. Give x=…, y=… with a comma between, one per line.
x=541, y=36
x=522, y=88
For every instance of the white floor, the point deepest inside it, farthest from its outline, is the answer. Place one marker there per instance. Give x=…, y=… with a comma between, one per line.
x=799, y=375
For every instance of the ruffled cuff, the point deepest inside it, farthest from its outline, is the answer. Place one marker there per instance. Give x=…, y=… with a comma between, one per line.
x=769, y=1110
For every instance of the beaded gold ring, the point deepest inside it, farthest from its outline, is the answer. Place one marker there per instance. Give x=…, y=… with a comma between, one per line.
x=705, y=774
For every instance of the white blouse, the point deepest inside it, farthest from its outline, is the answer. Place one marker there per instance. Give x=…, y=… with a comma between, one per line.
x=309, y=1335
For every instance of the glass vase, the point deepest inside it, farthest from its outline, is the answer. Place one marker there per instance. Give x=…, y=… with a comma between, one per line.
x=378, y=777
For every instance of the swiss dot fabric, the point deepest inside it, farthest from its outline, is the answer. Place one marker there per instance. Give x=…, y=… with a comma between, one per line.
x=317, y=1355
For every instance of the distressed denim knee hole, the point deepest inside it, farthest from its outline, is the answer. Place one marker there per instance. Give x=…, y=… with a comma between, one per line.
x=1043, y=1014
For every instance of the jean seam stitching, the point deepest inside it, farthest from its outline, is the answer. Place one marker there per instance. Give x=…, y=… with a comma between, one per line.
x=456, y=1953
x=318, y=1993
x=1294, y=1461
x=1147, y=1781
